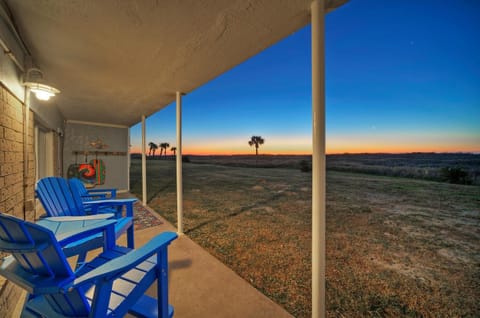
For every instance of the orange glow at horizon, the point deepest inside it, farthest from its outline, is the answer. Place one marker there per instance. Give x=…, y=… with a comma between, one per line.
x=330, y=150
x=390, y=142
x=403, y=143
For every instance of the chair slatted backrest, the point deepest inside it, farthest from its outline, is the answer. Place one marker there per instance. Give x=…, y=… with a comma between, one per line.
x=57, y=198
x=77, y=192
x=38, y=264
x=79, y=187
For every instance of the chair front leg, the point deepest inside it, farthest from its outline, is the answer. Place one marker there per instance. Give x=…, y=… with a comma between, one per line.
x=130, y=237
x=101, y=298
x=162, y=286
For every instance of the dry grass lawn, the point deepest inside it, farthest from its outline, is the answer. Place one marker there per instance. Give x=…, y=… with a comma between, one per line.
x=395, y=247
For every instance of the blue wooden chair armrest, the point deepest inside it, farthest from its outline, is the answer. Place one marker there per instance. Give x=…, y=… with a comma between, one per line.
x=113, y=192
x=122, y=264
x=112, y=202
x=102, y=190
x=94, y=196
x=96, y=204
x=99, y=217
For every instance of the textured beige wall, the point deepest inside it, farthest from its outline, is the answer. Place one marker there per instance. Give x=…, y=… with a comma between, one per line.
x=12, y=198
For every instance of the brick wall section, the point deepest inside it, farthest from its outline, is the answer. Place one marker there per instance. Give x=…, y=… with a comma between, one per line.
x=12, y=200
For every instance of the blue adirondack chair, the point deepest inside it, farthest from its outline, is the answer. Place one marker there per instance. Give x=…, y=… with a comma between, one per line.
x=111, y=285
x=59, y=200
x=88, y=195
x=91, y=194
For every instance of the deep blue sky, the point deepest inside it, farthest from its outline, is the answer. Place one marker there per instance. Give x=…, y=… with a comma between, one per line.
x=401, y=76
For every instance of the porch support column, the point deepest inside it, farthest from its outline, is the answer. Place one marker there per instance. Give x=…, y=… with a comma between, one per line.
x=179, y=166
x=318, y=159
x=144, y=163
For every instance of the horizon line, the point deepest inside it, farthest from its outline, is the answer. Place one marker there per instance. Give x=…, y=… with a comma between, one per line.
x=328, y=154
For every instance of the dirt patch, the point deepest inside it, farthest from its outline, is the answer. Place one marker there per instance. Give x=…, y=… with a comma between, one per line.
x=267, y=209
x=410, y=269
x=453, y=256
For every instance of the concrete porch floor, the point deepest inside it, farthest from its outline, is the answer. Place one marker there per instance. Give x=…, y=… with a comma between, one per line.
x=201, y=286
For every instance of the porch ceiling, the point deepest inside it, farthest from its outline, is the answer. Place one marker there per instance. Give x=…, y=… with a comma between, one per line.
x=116, y=60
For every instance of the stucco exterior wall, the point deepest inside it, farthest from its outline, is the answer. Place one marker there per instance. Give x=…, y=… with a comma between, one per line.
x=79, y=138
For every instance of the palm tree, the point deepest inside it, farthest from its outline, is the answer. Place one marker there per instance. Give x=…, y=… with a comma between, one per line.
x=153, y=148
x=161, y=150
x=174, y=150
x=164, y=146
x=256, y=141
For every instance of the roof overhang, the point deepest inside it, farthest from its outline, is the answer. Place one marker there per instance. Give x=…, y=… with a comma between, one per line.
x=114, y=61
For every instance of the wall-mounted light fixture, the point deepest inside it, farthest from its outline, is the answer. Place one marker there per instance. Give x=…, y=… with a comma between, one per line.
x=34, y=80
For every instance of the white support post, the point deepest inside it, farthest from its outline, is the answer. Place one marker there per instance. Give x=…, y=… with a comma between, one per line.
x=144, y=163
x=318, y=159
x=179, y=166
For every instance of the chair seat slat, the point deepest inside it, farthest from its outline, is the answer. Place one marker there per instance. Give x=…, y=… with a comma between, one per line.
x=22, y=247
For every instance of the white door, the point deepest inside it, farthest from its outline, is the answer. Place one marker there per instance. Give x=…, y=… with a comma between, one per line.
x=45, y=153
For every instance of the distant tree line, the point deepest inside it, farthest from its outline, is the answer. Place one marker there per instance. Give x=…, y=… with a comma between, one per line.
x=451, y=168
x=455, y=175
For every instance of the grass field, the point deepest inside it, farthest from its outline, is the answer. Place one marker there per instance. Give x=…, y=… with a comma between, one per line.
x=395, y=246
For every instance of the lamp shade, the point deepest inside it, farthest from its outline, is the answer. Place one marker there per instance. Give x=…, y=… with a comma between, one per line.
x=34, y=80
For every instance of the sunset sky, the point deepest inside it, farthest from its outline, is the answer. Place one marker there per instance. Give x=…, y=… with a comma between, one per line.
x=401, y=76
